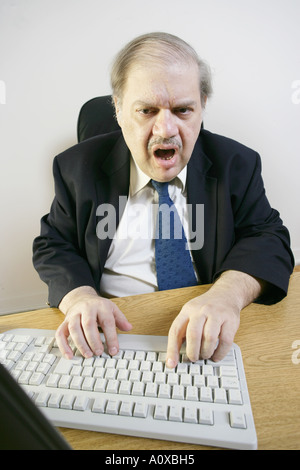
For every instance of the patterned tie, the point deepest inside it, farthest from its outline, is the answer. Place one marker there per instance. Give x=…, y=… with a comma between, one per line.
x=174, y=265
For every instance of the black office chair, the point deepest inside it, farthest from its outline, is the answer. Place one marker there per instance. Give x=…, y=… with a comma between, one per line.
x=97, y=116
x=23, y=426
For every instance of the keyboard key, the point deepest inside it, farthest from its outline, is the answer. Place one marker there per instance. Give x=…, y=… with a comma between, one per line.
x=212, y=381
x=151, y=356
x=76, y=383
x=122, y=364
x=206, y=416
x=235, y=397
x=207, y=370
x=63, y=366
x=237, y=420
x=191, y=393
x=54, y=400
x=220, y=395
x=160, y=378
x=99, y=405
x=173, y=379
x=81, y=403
x=164, y=391
x=112, y=407
x=129, y=355
x=53, y=380
x=228, y=371
x=126, y=408
x=110, y=363
x=64, y=381
x=133, y=365
x=178, y=392
x=112, y=386
x=151, y=390
x=67, y=402
x=100, y=385
x=175, y=413
x=42, y=399
x=140, y=410
x=24, y=377
x=36, y=378
x=138, y=389
x=190, y=415
x=182, y=368
x=125, y=387
x=88, y=383
x=157, y=366
x=161, y=412
x=140, y=355
x=229, y=382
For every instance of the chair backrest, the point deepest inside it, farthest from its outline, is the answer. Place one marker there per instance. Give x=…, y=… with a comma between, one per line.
x=97, y=116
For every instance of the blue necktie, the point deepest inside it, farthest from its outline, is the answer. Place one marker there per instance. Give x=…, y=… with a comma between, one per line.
x=174, y=265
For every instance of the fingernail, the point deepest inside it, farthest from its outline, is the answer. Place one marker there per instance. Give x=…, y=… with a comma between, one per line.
x=113, y=351
x=170, y=364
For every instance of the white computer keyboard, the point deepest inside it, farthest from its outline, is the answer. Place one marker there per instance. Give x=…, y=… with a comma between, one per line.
x=134, y=393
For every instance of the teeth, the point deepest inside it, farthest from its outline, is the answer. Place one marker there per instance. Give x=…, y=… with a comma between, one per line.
x=165, y=154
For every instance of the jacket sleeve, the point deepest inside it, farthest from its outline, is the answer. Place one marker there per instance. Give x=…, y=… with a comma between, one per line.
x=262, y=243
x=56, y=251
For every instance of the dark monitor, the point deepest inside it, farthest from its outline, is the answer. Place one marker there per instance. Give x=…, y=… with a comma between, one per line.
x=22, y=424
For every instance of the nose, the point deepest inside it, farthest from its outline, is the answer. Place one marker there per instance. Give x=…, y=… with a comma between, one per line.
x=165, y=124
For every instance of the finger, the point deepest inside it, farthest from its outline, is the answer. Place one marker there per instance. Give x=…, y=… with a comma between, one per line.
x=91, y=333
x=110, y=318
x=226, y=339
x=194, y=333
x=176, y=337
x=78, y=336
x=121, y=321
x=210, y=336
x=108, y=325
x=61, y=335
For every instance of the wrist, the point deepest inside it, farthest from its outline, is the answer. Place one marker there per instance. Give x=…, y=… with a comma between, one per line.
x=74, y=296
x=238, y=288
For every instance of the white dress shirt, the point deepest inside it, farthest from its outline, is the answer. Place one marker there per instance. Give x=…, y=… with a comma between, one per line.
x=130, y=265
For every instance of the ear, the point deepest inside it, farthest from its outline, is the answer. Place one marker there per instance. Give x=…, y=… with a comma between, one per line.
x=203, y=102
x=118, y=110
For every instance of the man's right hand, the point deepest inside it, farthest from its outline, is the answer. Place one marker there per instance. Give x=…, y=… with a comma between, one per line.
x=85, y=311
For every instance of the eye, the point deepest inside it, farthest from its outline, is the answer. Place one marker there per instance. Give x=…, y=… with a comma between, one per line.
x=183, y=111
x=145, y=111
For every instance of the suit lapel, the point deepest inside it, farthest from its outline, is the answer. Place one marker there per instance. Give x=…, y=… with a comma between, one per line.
x=113, y=188
x=202, y=189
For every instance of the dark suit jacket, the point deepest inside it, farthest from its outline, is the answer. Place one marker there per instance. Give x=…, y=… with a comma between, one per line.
x=241, y=230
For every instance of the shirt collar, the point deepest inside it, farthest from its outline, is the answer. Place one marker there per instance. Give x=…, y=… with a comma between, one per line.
x=138, y=179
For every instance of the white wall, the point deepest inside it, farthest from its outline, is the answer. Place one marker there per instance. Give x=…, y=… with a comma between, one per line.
x=55, y=55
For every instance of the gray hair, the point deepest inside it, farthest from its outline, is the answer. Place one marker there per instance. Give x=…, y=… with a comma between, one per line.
x=158, y=47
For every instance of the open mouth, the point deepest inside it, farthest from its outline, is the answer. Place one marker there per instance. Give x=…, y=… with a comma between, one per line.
x=165, y=154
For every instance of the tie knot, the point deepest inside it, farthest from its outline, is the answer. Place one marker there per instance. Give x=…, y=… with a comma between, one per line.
x=161, y=188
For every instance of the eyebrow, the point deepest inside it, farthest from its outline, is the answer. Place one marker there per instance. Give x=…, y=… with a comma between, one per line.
x=183, y=104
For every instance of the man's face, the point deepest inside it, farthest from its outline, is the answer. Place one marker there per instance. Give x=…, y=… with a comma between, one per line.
x=160, y=116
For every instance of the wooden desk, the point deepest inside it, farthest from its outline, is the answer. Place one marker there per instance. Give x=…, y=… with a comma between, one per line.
x=265, y=336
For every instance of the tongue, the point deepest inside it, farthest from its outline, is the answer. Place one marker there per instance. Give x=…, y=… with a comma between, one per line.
x=164, y=153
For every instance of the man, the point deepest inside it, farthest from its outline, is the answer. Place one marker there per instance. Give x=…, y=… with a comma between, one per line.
x=160, y=88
